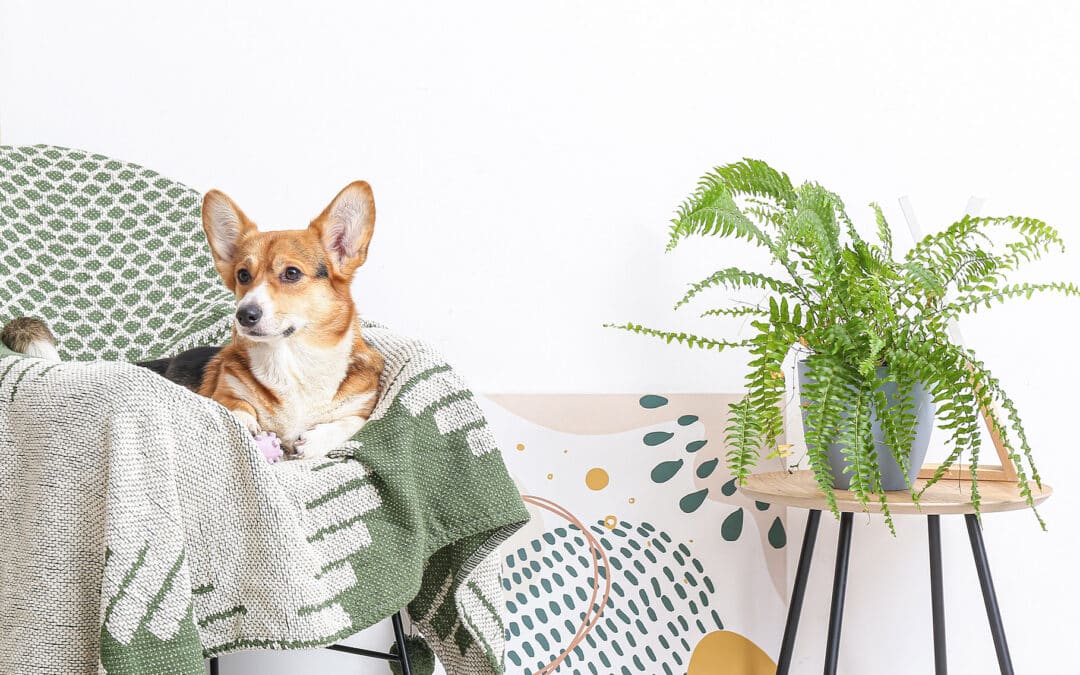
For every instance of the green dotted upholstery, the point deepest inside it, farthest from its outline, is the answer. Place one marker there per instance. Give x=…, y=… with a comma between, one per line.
x=111, y=254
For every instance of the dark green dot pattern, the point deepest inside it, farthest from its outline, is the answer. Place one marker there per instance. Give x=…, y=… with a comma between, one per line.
x=660, y=604
x=111, y=254
x=664, y=471
x=652, y=401
x=732, y=526
x=657, y=437
x=777, y=535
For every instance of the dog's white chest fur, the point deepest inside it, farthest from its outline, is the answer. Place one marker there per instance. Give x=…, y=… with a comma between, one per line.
x=305, y=380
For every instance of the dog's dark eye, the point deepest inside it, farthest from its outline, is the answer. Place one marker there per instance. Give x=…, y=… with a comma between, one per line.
x=243, y=276
x=291, y=274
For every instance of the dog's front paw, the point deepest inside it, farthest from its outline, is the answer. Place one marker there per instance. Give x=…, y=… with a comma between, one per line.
x=318, y=441
x=248, y=421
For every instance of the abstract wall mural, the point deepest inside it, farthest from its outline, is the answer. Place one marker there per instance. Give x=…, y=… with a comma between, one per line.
x=695, y=573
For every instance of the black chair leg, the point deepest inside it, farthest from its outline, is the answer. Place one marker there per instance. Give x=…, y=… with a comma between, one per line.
x=836, y=614
x=993, y=613
x=399, y=636
x=787, y=646
x=937, y=594
x=399, y=639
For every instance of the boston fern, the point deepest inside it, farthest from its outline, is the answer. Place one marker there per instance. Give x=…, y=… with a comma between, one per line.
x=851, y=305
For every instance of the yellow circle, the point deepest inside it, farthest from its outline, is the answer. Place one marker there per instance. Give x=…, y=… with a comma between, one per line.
x=520, y=446
x=596, y=479
x=550, y=476
x=726, y=653
x=610, y=522
x=632, y=500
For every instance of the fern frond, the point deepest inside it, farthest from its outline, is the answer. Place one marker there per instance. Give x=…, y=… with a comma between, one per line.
x=966, y=241
x=972, y=302
x=734, y=312
x=757, y=421
x=823, y=411
x=897, y=415
x=743, y=431
x=712, y=210
x=681, y=338
x=755, y=177
x=735, y=278
x=989, y=390
x=923, y=281
x=884, y=232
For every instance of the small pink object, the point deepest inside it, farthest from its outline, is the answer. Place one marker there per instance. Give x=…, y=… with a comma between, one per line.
x=270, y=446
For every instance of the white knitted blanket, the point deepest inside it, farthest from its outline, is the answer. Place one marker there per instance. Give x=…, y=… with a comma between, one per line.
x=142, y=530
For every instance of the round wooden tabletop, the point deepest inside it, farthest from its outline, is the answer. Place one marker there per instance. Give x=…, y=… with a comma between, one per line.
x=944, y=497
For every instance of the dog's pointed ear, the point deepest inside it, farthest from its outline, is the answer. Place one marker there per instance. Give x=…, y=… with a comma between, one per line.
x=225, y=224
x=345, y=227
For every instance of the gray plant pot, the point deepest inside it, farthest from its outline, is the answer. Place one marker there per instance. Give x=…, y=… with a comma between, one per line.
x=892, y=478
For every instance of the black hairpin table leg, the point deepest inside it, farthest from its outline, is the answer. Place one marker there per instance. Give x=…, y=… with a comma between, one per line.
x=982, y=566
x=215, y=668
x=787, y=646
x=836, y=614
x=937, y=594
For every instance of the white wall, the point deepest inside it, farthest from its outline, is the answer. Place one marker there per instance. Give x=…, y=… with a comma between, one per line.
x=526, y=156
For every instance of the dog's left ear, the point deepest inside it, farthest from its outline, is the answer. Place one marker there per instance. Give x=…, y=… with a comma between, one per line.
x=345, y=227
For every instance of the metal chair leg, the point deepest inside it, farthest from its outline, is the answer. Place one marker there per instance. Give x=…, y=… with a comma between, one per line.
x=399, y=639
x=806, y=555
x=937, y=595
x=836, y=614
x=399, y=636
x=993, y=613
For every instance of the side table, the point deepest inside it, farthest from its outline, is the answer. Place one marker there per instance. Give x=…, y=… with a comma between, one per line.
x=798, y=489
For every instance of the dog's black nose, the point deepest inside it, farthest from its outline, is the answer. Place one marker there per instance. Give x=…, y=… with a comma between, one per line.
x=248, y=315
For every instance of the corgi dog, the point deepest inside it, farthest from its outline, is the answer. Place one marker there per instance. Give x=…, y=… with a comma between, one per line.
x=297, y=365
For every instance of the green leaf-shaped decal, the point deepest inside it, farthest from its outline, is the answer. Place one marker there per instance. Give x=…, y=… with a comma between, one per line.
x=692, y=501
x=761, y=506
x=665, y=470
x=694, y=446
x=657, y=437
x=729, y=488
x=706, y=468
x=777, y=536
x=652, y=401
x=732, y=526
x=687, y=420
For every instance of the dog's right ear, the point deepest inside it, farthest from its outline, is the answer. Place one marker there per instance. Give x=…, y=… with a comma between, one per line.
x=225, y=224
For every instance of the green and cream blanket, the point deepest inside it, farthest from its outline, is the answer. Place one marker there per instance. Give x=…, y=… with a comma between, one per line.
x=141, y=530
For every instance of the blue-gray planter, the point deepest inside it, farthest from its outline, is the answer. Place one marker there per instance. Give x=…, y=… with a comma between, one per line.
x=892, y=478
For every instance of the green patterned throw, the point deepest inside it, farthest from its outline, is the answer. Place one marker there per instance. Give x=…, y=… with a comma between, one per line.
x=143, y=531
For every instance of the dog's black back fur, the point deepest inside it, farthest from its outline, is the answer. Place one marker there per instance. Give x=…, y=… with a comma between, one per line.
x=186, y=368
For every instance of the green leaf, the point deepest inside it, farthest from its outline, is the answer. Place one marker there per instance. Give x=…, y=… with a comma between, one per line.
x=735, y=278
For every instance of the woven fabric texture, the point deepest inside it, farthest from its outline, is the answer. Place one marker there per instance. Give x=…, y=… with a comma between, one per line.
x=111, y=254
x=143, y=531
